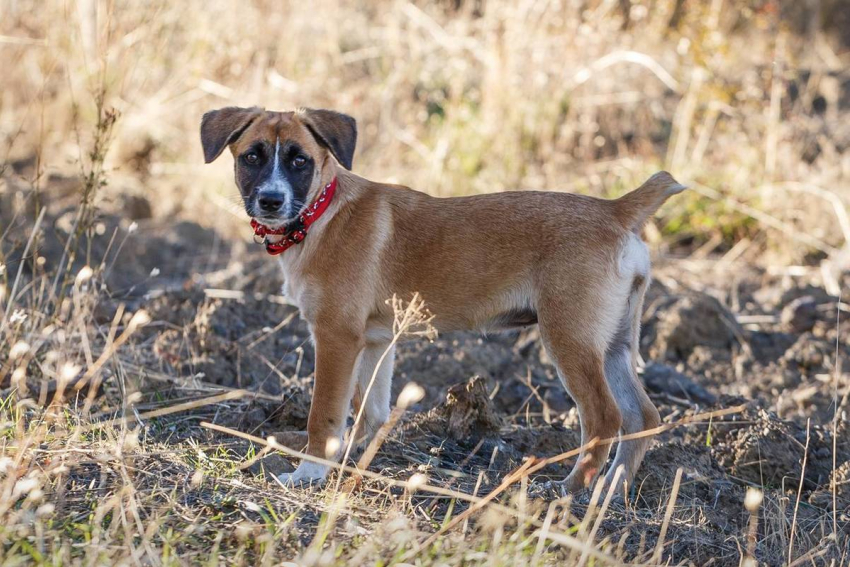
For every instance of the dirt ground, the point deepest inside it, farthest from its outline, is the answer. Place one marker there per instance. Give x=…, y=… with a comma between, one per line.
x=714, y=337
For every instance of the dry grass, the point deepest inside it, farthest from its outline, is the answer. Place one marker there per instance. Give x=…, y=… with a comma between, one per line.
x=535, y=95
x=105, y=460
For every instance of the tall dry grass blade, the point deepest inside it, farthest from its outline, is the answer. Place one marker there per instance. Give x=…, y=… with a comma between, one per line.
x=752, y=503
x=799, y=492
x=668, y=514
x=836, y=375
x=777, y=85
x=590, y=514
x=475, y=490
x=543, y=533
x=196, y=383
x=186, y=406
x=687, y=107
x=612, y=490
x=563, y=539
x=11, y=298
x=810, y=556
x=137, y=321
x=690, y=420
x=586, y=73
x=381, y=436
x=505, y=484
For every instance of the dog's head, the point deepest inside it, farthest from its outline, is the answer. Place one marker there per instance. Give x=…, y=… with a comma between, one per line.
x=281, y=159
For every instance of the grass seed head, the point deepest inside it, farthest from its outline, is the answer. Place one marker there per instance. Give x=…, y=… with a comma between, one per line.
x=753, y=500
x=19, y=349
x=83, y=275
x=410, y=395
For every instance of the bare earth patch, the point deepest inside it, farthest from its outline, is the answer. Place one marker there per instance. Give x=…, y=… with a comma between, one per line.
x=490, y=403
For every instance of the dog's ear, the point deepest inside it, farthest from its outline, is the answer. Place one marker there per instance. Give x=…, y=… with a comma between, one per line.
x=335, y=131
x=222, y=127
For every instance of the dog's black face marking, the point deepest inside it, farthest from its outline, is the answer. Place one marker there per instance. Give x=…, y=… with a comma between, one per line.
x=274, y=180
x=299, y=167
x=250, y=171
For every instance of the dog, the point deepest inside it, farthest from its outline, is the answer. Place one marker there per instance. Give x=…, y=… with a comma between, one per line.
x=574, y=265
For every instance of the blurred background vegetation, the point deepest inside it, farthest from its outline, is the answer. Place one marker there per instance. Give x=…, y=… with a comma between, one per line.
x=110, y=222
x=747, y=101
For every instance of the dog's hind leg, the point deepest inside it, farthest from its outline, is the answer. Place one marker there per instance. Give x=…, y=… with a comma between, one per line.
x=580, y=362
x=375, y=400
x=638, y=411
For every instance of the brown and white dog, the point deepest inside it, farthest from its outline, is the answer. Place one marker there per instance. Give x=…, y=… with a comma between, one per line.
x=575, y=265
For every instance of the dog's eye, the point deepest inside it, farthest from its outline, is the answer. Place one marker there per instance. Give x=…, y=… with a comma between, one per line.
x=252, y=158
x=299, y=161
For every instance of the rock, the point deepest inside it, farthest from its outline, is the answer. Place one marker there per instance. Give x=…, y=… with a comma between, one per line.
x=823, y=496
x=664, y=379
x=467, y=414
x=764, y=450
x=470, y=411
x=556, y=399
x=800, y=315
x=292, y=413
x=272, y=465
x=296, y=440
x=809, y=354
x=136, y=207
x=691, y=321
x=246, y=419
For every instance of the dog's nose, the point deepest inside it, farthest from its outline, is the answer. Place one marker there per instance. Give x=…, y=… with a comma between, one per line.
x=270, y=203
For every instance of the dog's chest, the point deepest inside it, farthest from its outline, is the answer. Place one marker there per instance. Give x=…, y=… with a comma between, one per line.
x=297, y=291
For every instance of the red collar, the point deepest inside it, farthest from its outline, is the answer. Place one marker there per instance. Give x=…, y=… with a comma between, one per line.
x=296, y=231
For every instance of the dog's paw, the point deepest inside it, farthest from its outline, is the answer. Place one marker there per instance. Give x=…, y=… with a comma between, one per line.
x=557, y=489
x=307, y=474
x=549, y=490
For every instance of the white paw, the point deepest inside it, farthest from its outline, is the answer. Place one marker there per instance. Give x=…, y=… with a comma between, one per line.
x=306, y=473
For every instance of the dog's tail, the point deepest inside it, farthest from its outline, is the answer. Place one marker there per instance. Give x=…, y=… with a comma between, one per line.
x=633, y=209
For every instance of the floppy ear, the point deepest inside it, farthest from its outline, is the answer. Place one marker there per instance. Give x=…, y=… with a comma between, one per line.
x=222, y=127
x=335, y=131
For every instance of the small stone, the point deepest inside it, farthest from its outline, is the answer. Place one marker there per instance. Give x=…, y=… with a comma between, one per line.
x=296, y=440
x=470, y=410
x=800, y=315
x=665, y=379
x=467, y=414
x=272, y=465
x=557, y=400
x=690, y=322
x=136, y=207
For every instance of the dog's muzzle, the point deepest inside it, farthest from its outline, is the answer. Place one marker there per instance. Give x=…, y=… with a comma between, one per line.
x=294, y=232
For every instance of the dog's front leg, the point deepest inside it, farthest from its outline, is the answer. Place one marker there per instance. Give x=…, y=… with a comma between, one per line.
x=336, y=353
